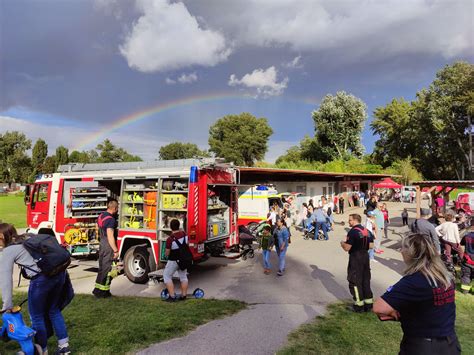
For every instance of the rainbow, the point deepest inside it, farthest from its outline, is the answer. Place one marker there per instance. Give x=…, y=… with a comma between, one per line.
x=163, y=107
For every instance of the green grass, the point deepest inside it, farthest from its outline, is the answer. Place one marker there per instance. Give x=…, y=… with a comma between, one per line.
x=13, y=210
x=124, y=324
x=344, y=332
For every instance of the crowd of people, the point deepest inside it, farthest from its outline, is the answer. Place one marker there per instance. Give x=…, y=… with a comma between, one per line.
x=423, y=300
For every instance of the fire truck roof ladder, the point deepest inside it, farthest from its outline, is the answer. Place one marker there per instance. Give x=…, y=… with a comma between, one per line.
x=143, y=165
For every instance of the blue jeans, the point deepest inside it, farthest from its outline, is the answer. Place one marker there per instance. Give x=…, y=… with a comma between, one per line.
x=371, y=254
x=324, y=226
x=43, y=302
x=281, y=260
x=266, y=259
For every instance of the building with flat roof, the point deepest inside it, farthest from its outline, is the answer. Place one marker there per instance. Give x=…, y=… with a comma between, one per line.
x=313, y=184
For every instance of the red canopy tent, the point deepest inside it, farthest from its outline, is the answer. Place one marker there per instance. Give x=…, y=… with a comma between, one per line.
x=387, y=183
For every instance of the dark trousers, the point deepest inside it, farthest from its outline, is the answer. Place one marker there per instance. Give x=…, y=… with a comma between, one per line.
x=448, y=247
x=430, y=346
x=341, y=209
x=467, y=274
x=104, y=279
x=44, y=296
x=405, y=221
x=358, y=275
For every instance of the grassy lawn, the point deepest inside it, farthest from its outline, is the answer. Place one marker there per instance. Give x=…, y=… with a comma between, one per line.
x=344, y=332
x=124, y=324
x=13, y=210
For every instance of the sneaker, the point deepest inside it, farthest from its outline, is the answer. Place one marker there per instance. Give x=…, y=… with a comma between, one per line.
x=280, y=273
x=182, y=298
x=171, y=299
x=63, y=350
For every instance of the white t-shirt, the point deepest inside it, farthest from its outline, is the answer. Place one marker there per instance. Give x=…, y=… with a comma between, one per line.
x=449, y=231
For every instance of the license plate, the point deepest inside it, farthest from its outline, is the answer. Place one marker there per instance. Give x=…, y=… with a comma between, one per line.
x=200, y=248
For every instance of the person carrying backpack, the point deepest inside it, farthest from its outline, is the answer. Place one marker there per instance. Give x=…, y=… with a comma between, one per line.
x=46, y=285
x=179, y=259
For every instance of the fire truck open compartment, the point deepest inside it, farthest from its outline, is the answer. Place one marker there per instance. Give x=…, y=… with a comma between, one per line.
x=199, y=193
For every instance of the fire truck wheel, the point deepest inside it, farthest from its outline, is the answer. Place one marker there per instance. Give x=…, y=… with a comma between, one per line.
x=138, y=262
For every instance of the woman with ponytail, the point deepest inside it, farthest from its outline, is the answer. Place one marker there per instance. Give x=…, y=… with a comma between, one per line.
x=423, y=301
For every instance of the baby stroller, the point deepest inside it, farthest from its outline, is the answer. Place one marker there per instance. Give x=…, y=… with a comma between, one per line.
x=308, y=232
x=246, y=240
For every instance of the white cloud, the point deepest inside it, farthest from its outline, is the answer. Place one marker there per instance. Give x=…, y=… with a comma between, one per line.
x=294, y=64
x=188, y=78
x=168, y=37
x=109, y=7
x=264, y=81
x=358, y=28
x=182, y=79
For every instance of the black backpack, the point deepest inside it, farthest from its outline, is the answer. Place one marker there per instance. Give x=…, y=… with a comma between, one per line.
x=48, y=254
x=185, y=257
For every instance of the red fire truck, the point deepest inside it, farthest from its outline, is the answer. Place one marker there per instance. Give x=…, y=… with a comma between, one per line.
x=201, y=193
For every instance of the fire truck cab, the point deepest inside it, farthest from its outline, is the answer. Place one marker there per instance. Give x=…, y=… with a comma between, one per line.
x=200, y=193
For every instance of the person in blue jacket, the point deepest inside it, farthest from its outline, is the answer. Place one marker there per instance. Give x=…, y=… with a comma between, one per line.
x=282, y=236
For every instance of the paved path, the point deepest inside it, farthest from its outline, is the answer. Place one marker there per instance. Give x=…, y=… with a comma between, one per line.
x=316, y=276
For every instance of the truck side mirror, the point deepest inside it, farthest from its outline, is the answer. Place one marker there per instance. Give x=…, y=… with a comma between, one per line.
x=26, y=199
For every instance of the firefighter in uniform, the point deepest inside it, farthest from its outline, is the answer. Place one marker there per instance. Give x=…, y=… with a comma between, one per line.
x=358, y=242
x=108, y=250
x=467, y=264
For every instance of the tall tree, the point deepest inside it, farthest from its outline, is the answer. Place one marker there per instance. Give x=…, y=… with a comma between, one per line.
x=39, y=154
x=62, y=155
x=50, y=165
x=393, y=123
x=339, y=121
x=178, y=150
x=109, y=153
x=242, y=139
x=80, y=157
x=15, y=165
x=432, y=130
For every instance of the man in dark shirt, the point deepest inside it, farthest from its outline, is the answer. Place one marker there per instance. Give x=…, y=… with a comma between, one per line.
x=467, y=264
x=358, y=241
x=108, y=250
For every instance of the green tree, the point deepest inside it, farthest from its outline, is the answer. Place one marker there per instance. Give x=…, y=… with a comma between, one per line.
x=79, y=157
x=39, y=154
x=407, y=171
x=178, y=150
x=393, y=123
x=432, y=130
x=15, y=165
x=50, y=165
x=62, y=155
x=109, y=153
x=242, y=139
x=339, y=121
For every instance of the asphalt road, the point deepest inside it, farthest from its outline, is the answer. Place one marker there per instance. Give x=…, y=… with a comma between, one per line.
x=315, y=276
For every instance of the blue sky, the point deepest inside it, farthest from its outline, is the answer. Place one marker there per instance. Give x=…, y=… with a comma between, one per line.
x=69, y=68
